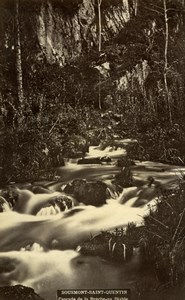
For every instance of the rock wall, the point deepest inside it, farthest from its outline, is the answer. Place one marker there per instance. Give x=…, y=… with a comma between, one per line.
x=63, y=37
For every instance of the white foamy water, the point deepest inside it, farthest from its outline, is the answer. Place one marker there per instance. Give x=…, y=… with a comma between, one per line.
x=68, y=228
x=88, y=171
x=47, y=272
x=50, y=270
x=111, y=151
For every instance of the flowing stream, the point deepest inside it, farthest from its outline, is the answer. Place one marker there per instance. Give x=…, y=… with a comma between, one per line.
x=49, y=269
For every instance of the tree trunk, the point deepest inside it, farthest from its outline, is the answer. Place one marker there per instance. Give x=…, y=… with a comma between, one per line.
x=18, y=58
x=166, y=62
x=135, y=7
x=99, y=92
x=99, y=25
x=99, y=49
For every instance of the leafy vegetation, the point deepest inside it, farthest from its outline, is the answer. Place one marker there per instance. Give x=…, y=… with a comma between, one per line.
x=164, y=230
x=162, y=248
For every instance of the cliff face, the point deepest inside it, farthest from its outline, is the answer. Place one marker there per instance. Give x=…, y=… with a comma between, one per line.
x=64, y=37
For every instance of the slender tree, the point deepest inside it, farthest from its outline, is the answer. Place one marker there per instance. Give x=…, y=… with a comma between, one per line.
x=99, y=91
x=99, y=2
x=18, y=58
x=135, y=7
x=166, y=60
x=163, y=10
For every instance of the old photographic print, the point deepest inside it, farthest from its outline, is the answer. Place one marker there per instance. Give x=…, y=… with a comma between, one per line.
x=92, y=150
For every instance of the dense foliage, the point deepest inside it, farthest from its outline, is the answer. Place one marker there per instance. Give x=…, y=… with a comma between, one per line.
x=162, y=246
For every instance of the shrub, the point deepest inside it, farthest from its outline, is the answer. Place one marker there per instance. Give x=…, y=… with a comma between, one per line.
x=162, y=243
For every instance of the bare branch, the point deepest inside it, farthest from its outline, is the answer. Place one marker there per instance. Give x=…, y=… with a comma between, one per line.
x=50, y=131
x=158, y=222
x=178, y=225
x=154, y=10
x=160, y=237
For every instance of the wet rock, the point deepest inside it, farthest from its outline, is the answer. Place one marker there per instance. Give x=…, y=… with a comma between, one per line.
x=89, y=160
x=63, y=202
x=18, y=292
x=105, y=159
x=33, y=247
x=94, y=160
x=124, y=178
x=40, y=190
x=4, y=205
x=90, y=193
x=10, y=194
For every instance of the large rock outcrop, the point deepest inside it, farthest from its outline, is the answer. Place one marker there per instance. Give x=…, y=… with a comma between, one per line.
x=64, y=36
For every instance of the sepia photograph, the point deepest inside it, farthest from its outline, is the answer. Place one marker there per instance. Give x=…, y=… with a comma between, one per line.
x=92, y=149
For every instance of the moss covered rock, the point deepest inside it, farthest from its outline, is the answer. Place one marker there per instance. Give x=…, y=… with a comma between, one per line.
x=18, y=292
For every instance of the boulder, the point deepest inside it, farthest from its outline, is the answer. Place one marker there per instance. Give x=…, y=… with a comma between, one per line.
x=4, y=205
x=88, y=192
x=89, y=160
x=94, y=160
x=10, y=194
x=105, y=159
x=36, y=189
x=124, y=178
x=18, y=292
x=63, y=202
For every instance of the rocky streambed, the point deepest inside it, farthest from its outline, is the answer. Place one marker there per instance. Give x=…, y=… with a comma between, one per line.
x=85, y=210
